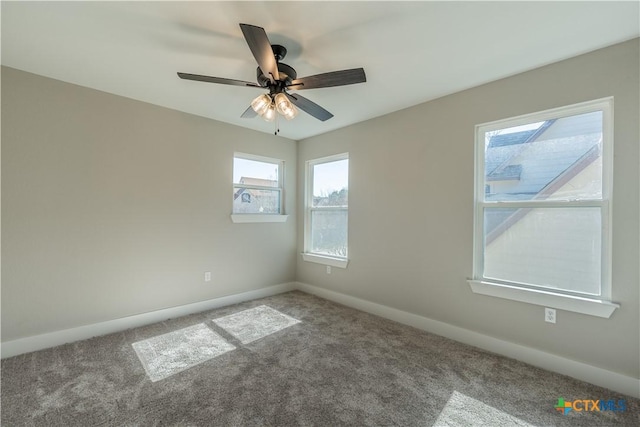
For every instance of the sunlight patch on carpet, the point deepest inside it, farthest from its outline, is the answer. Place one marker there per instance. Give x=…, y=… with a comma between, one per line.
x=255, y=323
x=462, y=410
x=168, y=354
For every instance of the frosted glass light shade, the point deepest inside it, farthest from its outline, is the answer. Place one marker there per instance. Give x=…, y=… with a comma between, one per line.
x=261, y=104
x=270, y=113
x=285, y=107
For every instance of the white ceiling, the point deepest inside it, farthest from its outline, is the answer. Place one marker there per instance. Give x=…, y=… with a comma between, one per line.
x=411, y=51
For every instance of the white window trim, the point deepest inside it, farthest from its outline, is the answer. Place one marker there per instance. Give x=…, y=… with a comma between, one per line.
x=240, y=218
x=307, y=255
x=591, y=306
x=600, y=306
x=326, y=260
x=247, y=218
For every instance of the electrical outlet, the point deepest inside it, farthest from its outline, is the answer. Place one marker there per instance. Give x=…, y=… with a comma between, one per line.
x=207, y=276
x=550, y=315
x=328, y=269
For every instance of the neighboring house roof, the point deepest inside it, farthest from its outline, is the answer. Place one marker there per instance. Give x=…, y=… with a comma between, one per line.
x=508, y=173
x=513, y=138
x=245, y=180
x=238, y=193
x=535, y=162
x=538, y=163
x=504, y=147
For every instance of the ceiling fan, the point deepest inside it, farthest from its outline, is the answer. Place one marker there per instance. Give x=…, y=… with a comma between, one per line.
x=280, y=78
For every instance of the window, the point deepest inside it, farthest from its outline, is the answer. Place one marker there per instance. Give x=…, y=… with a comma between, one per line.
x=326, y=210
x=542, y=229
x=257, y=189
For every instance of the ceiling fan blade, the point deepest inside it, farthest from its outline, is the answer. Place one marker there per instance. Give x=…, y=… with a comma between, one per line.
x=309, y=107
x=334, y=78
x=249, y=113
x=260, y=46
x=220, y=80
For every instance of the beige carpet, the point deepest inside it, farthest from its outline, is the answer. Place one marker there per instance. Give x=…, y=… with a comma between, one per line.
x=173, y=352
x=288, y=360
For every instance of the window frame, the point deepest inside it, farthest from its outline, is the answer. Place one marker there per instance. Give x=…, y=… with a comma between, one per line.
x=307, y=255
x=266, y=216
x=600, y=305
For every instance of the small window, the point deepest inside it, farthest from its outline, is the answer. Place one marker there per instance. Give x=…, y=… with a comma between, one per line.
x=257, y=185
x=326, y=215
x=542, y=203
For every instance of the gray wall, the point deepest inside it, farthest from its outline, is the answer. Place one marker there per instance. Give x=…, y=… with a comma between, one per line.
x=113, y=207
x=411, y=209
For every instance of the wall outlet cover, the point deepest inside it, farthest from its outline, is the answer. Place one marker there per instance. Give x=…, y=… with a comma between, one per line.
x=550, y=315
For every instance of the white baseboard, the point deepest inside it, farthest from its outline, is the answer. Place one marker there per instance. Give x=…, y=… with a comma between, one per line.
x=551, y=362
x=582, y=371
x=52, y=339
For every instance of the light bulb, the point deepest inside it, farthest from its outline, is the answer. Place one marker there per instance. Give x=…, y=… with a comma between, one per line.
x=261, y=103
x=285, y=107
x=270, y=113
x=282, y=103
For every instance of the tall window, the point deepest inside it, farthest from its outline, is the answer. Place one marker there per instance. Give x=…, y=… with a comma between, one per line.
x=542, y=202
x=257, y=185
x=327, y=204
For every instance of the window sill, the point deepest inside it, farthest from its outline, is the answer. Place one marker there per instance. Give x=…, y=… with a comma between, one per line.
x=244, y=218
x=590, y=306
x=326, y=260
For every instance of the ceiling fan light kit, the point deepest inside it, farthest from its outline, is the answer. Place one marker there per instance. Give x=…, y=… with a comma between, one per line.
x=266, y=106
x=278, y=77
